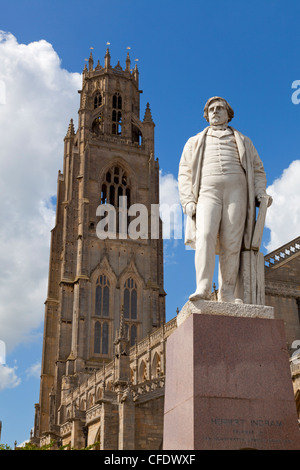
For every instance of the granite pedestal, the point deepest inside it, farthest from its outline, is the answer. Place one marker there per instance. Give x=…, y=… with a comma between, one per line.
x=228, y=381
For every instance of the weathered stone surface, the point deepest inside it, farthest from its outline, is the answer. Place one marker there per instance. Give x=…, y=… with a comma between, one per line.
x=228, y=386
x=223, y=308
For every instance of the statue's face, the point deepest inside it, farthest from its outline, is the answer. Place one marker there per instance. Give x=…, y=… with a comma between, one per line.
x=217, y=113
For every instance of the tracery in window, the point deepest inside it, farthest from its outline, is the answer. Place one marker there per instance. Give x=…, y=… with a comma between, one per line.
x=97, y=100
x=97, y=337
x=117, y=101
x=130, y=299
x=102, y=296
x=114, y=186
x=105, y=338
x=101, y=337
x=131, y=332
x=130, y=309
x=116, y=114
x=133, y=335
x=116, y=192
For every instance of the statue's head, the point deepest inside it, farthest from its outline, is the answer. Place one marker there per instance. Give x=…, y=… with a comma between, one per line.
x=222, y=105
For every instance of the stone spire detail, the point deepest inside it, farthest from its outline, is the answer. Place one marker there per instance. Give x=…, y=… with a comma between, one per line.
x=122, y=340
x=128, y=63
x=136, y=74
x=148, y=115
x=71, y=130
x=91, y=62
x=107, y=59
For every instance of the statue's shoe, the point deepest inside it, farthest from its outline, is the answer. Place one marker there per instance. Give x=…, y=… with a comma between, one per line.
x=199, y=295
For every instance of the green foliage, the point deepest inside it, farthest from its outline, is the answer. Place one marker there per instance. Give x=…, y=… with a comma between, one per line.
x=50, y=446
x=5, y=447
x=31, y=446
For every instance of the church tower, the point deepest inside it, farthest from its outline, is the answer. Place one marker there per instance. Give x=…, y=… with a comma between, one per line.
x=95, y=274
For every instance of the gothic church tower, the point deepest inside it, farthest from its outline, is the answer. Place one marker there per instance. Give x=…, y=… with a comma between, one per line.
x=92, y=279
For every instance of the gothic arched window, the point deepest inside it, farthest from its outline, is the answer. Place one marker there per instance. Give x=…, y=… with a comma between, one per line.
x=117, y=101
x=102, y=296
x=133, y=335
x=117, y=114
x=97, y=100
x=105, y=338
x=100, y=343
x=101, y=338
x=97, y=337
x=115, y=191
x=130, y=309
x=130, y=299
x=114, y=186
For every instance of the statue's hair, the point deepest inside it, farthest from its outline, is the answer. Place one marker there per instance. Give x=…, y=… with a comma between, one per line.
x=215, y=98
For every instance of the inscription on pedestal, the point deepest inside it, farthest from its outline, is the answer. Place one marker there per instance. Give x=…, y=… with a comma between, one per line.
x=247, y=433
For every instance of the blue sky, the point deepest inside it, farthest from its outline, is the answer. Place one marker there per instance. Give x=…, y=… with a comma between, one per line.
x=187, y=51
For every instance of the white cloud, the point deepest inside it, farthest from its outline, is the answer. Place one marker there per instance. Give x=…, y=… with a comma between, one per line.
x=34, y=116
x=283, y=217
x=8, y=377
x=170, y=208
x=34, y=371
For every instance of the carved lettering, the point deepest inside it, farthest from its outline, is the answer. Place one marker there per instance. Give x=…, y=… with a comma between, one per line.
x=262, y=422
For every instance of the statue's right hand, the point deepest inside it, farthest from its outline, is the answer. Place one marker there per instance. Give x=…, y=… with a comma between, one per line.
x=190, y=209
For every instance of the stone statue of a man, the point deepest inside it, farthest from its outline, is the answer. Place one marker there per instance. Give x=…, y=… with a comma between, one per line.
x=221, y=181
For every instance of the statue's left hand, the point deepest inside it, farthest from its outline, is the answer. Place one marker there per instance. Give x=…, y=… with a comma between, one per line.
x=270, y=199
x=191, y=209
